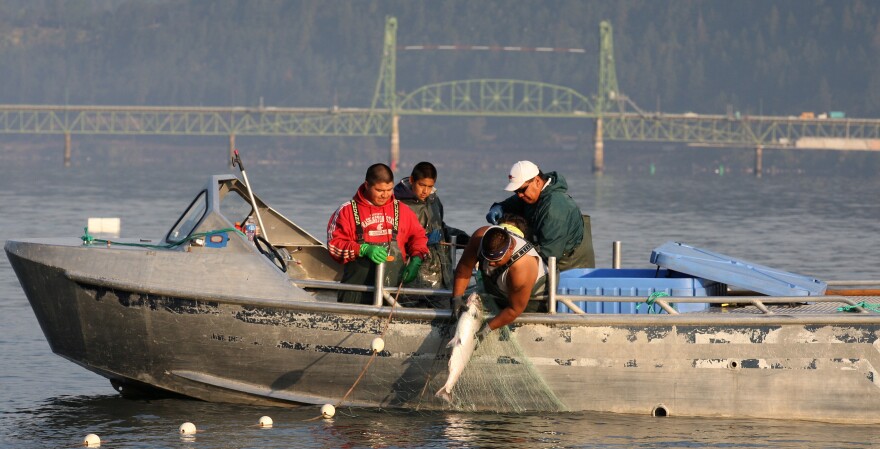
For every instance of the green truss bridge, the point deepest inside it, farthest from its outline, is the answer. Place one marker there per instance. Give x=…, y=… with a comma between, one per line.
x=614, y=116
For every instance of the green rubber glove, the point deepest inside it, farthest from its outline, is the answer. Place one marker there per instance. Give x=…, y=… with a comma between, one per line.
x=412, y=269
x=376, y=253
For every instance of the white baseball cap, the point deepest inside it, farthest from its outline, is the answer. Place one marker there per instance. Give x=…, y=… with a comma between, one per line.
x=521, y=172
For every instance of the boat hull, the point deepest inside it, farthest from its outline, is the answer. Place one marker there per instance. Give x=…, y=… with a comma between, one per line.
x=265, y=350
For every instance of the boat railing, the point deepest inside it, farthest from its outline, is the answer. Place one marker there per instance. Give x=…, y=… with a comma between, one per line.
x=382, y=295
x=761, y=303
x=861, y=283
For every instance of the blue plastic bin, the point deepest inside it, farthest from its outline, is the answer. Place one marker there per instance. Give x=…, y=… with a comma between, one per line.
x=633, y=282
x=732, y=271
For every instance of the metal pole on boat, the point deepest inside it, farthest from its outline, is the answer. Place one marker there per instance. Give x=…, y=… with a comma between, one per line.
x=236, y=160
x=380, y=287
x=551, y=267
x=615, y=254
x=231, y=150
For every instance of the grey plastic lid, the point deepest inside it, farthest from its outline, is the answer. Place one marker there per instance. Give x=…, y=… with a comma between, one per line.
x=731, y=271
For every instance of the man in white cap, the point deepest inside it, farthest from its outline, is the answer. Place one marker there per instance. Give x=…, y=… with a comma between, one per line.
x=559, y=229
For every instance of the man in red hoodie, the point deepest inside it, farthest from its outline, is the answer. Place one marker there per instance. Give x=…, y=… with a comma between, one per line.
x=373, y=228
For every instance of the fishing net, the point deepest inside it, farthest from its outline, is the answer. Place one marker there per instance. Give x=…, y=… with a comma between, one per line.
x=434, y=268
x=499, y=377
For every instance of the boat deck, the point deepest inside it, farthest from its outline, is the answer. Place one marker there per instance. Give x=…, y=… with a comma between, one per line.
x=801, y=308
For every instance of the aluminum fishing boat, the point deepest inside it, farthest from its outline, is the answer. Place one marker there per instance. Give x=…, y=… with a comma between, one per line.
x=205, y=313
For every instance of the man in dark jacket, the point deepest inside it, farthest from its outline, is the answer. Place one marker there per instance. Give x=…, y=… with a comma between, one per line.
x=559, y=229
x=418, y=192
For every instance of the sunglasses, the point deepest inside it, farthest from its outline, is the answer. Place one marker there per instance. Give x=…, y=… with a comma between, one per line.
x=525, y=186
x=495, y=256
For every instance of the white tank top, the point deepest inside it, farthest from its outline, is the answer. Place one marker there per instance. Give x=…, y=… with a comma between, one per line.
x=518, y=244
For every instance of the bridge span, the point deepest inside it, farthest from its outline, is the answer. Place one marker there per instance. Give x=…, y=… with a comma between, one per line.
x=613, y=115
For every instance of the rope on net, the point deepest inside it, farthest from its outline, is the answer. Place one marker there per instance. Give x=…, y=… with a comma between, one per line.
x=501, y=378
x=372, y=356
x=651, y=301
x=864, y=305
x=89, y=239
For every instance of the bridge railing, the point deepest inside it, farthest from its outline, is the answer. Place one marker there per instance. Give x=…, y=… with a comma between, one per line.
x=496, y=97
x=49, y=119
x=768, y=131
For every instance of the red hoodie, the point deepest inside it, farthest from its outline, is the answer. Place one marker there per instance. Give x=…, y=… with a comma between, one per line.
x=378, y=223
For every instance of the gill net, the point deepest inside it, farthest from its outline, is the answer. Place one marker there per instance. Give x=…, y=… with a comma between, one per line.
x=499, y=376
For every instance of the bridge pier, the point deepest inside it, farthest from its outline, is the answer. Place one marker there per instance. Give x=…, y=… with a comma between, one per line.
x=395, y=142
x=599, y=150
x=759, y=160
x=67, y=148
x=231, y=149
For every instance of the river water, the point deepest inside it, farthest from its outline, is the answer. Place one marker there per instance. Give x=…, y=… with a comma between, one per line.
x=817, y=225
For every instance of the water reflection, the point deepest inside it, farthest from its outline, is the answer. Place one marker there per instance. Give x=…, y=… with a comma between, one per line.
x=64, y=421
x=821, y=227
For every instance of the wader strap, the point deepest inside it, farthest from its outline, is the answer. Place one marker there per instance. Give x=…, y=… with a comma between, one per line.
x=396, y=221
x=519, y=253
x=359, y=228
x=492, y=285
x=493, y=277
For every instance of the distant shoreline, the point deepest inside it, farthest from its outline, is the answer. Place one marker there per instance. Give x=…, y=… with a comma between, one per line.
x=627, y=158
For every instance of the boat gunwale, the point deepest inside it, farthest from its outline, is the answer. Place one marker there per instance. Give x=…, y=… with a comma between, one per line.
x=564, y=319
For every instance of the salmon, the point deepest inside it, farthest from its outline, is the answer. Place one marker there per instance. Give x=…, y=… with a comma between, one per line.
x=463, y=344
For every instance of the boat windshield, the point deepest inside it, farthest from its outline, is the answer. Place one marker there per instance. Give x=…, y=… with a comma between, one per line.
x=188, y=221
x=235, y=208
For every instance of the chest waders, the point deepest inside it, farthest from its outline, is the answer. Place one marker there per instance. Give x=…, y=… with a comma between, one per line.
x=436, y=269
x=362, y=271
x=490, y=281
x=582, y=255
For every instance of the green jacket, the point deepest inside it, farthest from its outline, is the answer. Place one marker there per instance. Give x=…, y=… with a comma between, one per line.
x=555, y=221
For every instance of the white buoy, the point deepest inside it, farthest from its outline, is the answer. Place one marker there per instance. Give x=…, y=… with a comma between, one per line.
x=327, y=411
x=187, y=428
x=378, y=344
x=265, y=421
x=92, y=440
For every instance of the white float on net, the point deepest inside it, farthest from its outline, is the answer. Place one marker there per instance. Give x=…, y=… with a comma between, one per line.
x=265, y=421
x=91, y=440
x=378, y=344
x=187, y=428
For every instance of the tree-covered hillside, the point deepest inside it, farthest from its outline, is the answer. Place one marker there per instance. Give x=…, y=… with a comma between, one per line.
x=755, y=56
